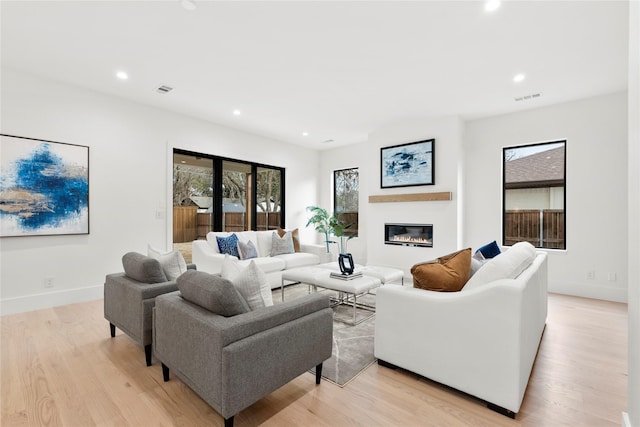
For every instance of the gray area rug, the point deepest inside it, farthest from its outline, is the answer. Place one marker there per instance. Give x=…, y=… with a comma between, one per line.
x=352, y=345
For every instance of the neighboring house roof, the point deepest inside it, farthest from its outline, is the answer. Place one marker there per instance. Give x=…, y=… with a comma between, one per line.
x=203, y=202
x=544, y=169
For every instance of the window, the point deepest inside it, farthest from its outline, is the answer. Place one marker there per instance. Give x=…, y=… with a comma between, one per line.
x=534, y=178
x=216, y=194
x=345, y=198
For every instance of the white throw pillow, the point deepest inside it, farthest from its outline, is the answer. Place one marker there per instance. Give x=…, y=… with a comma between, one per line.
x=507, y=265
x=173, y=263
x=250, y=281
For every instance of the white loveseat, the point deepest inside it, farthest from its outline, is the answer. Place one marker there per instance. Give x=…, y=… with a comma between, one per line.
x=482, y=340
x=207, y=257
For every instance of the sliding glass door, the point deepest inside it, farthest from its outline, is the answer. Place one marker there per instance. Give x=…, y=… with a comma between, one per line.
x=212, y=193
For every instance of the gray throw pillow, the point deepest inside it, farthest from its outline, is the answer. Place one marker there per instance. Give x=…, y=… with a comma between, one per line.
x=211, y=292
x=143, y=268
x=282, y=245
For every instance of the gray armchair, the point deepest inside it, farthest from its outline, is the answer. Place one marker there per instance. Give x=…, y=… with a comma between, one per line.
x=234, y=358
x=129, y=297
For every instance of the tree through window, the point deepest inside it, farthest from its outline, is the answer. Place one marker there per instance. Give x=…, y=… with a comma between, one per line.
x=345, y=198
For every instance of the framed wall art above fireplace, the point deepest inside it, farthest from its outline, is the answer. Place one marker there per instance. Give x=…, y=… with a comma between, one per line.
x=408, y=165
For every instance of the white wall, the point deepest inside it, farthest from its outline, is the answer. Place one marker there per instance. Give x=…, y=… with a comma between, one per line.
x=130, y=182
x=370, y=247
x=596, y=188
x=633, y=406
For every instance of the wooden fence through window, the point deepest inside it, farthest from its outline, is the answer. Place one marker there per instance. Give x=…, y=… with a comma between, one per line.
x=189, y=224
x=542, y=228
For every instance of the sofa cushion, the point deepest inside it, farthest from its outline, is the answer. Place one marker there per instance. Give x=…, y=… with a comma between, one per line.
x=477, y=261
x=294, y=235
x=211, y=292
x=143, y=268
x=298, y=259
x=250, y=281
x=173, y=263
x=281, y=245
x=228, y=245
x=489, y=250
x=507, y=265
x=448, y=273
x=247, y=250
x=267, y=264
x=213, y=242
x=264, y=243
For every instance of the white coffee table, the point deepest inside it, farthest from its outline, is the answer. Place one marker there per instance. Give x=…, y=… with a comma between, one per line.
x=385, y=274
x=321, y=277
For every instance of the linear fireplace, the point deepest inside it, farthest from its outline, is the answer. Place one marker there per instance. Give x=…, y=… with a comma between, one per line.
x=409, y=235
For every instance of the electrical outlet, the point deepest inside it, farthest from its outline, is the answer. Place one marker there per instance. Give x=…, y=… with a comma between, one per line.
x=591, y=275
x=612, y=277
x=48, y=282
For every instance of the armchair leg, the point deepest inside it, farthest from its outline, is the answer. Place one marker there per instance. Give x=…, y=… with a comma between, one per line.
x=228, y=422
x=113, y=329
x=318, y=373
x=165, y=372
x=147, y=354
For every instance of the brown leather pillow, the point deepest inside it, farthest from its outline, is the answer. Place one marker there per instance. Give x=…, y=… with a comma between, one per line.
x=448, y=273
x=294, y=235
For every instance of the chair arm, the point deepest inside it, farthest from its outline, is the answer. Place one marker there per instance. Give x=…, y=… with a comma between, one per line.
x=319, y=250
x=205, y=258
x=128, y=304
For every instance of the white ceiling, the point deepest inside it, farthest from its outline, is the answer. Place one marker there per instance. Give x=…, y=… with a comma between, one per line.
x=337, y=70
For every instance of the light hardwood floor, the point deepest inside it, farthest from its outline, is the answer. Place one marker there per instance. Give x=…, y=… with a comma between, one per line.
x=61, y=368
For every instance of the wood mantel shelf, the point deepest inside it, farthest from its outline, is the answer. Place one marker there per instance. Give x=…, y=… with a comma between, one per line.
x=416, y=197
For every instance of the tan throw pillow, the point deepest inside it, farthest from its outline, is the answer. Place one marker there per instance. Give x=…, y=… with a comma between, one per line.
x=294, y=234
x=448, y=273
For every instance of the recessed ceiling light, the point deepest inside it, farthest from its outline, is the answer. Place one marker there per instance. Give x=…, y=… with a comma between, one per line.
x=122, y=75
x=305, y=133
x=518, y=78
x=491, y=5
x=188, y=4
x=236, y=112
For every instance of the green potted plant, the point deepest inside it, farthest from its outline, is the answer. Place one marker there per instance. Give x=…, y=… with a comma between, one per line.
x=321, y=221
x=328, y=224
x=339, y=229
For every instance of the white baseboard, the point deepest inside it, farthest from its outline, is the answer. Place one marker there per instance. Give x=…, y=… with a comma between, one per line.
x=587, y=290
x=50, y=299
x=626, y=422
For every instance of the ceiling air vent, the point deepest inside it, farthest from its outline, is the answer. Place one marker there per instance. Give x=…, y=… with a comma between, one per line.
x=164, y=89
x=528, y=97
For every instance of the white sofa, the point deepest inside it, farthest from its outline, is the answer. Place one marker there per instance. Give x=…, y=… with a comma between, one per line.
x=482, y=340
x=207, y=257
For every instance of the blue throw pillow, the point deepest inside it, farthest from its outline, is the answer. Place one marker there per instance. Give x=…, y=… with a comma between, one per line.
x=228, y=245
x=489, y=250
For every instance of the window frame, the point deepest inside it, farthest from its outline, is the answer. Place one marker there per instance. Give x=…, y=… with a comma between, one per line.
x=335, y=198
x=564, y=193
x=217, y=163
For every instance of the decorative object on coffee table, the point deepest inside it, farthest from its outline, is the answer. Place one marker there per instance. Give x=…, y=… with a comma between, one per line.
x=345, y=261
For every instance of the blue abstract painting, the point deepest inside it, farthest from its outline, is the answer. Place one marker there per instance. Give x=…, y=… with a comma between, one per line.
x=407, y=164
x=44, y=187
